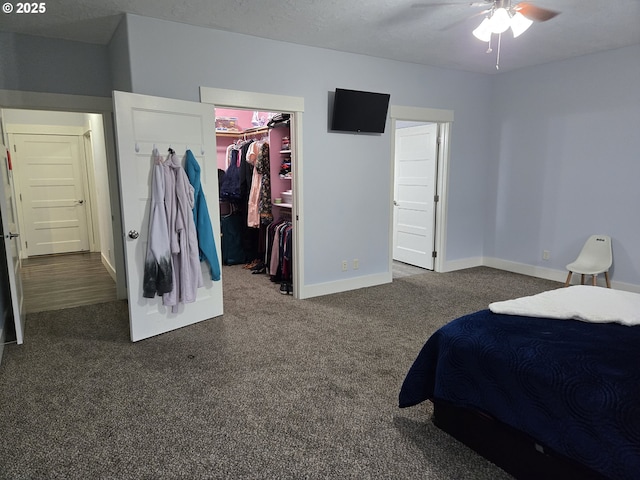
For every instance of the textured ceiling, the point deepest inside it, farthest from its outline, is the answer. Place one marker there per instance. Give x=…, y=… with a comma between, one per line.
x=436, y=33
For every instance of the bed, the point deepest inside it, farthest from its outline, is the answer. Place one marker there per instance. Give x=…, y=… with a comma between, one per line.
x=546, y=386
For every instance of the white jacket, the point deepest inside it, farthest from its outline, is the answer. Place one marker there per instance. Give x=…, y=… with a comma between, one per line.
x=158, y=264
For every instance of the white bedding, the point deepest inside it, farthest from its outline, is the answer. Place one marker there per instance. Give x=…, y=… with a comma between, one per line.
x=579, y=302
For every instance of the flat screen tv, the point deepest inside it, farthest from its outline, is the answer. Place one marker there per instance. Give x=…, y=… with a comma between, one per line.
x=357, y=111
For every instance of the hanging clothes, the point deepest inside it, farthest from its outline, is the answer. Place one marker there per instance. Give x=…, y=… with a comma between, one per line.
x=253, y=213
x=278, y=256
x=230, y=185
x=182, y=233
x=264, y=169
x=204, y=230
x=158, y=265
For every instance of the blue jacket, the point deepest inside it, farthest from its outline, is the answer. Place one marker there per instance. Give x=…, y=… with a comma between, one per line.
x=206, y=242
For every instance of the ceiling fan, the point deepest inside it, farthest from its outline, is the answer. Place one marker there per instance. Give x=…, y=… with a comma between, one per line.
x=526, y=9
x=500, y=15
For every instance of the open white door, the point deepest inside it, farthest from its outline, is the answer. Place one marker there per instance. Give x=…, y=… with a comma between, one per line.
x=11, y=234
x=142, y=123
x=416, y=160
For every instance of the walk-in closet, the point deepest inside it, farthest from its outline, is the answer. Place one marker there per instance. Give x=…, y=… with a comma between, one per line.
x=254, y=154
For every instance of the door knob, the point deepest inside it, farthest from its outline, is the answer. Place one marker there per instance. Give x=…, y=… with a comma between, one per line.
x=133, y=234
x=80, y=202
x=12, y=235
x=395, y=203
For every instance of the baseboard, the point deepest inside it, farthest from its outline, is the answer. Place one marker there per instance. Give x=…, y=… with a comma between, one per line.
x=354, y=283
x=328, y=288
x=109, y=267
x=453, y=265
x=524, y=269
x=3, y=335
x=550, y=273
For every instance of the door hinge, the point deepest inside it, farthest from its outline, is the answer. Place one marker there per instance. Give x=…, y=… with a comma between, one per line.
x=20, y=197
x=434, y=254
x=26, y=244
x=14, y=148
x=436, y=198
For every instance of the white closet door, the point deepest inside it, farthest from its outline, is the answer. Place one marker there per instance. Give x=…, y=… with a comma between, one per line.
x=143, y=122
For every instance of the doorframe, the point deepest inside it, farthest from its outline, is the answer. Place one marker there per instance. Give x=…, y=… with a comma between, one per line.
x=220, y=97
x=444, y=119
x=60, y=102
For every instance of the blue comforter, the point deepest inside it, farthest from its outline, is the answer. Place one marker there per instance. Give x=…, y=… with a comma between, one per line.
x=573, y=386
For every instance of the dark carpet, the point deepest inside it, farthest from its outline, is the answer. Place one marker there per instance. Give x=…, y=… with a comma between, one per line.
x=275, y=388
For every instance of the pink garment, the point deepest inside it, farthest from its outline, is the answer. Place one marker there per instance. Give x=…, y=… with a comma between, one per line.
x=182, y=235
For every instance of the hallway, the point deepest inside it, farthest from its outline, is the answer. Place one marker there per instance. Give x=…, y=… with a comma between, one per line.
x=54, y=282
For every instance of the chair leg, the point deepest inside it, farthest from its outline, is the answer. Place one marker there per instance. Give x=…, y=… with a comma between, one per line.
x=593, y=280
x=606, y=277
x=568, y=282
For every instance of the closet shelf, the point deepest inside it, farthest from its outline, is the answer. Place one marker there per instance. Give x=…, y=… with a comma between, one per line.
x=240, y=133
x=283, y=205
x=285, y=152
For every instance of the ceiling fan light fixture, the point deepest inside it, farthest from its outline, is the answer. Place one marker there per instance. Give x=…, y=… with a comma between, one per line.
x=483, y=31
x=519, y=24
x=500, y=20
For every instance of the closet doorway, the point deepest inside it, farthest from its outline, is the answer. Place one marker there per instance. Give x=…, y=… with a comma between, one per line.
x=254, y=155
x=285, y=146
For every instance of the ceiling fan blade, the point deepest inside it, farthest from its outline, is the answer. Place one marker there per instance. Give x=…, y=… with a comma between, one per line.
x=464, y=20
x=443, y=4
x=537, y=14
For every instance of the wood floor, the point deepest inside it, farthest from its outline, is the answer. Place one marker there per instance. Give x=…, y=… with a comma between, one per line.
x=54, y=282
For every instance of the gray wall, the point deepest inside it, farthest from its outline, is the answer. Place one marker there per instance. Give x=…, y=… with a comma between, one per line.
x=540, y=157
x=119, y=59
x=346, y=177
x=40, y=64
x=566, y=161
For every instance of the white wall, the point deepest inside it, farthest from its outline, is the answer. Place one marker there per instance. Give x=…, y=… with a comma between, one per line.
x=102, y=194
x=346, y=177
x=566, y=161
x=42, y=117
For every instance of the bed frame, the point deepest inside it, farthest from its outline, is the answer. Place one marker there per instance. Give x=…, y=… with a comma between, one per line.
x=510, y=449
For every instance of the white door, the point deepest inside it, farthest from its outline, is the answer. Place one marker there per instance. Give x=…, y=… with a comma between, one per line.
x=11, y=246
x=416, y=155
x=142, y=123
x=50, y=171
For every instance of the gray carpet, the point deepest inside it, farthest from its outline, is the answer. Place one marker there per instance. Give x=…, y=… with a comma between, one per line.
x=276, y=388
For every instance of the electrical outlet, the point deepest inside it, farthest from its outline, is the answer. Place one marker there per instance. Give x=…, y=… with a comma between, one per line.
x=546, y=254
x=345, y=265
x=356, y=263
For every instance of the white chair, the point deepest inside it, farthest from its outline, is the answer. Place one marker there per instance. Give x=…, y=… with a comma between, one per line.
x=595, y=258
